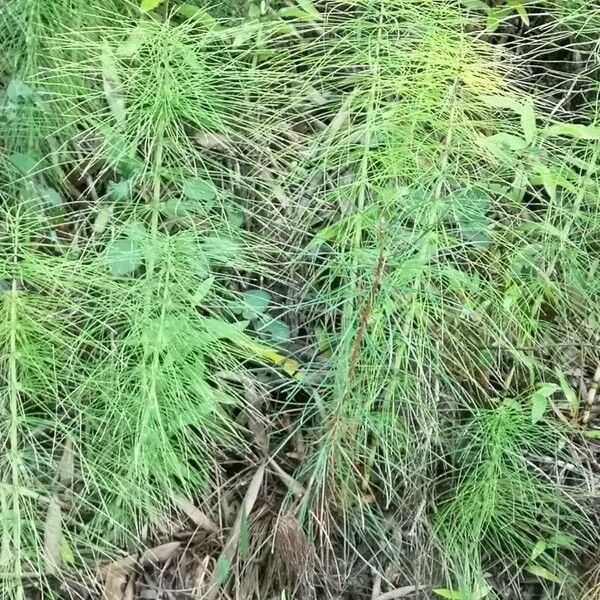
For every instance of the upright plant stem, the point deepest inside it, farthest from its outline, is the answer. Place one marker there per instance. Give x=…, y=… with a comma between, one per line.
x=13, y=453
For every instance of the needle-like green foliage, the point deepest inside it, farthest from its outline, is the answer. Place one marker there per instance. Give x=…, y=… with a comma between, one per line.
x=401, y=160
x=121, y=334
x=154, y=410
x=39, y=366
x=411, y=177
x=156, y=413
x=501, y=508
x=161, y=89
x=30, y=344
x=27, y=28
x=444, y=259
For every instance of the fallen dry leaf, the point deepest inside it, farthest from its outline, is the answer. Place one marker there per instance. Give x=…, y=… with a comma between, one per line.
x=129, y=589
x=124, y=565
x=159, y=554
x=52, y=537
x=400, y=592
x=66, y=466
x=150, y=557
x=196, y=515
x=115, y=581
x=293, y=486
x=245, y=510
x=211, y=140
x=114, y=576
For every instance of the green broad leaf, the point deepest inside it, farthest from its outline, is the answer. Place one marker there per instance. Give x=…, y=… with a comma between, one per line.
x=408, y=198
x=476, y=5
x=235, y=217
x=278, y=331
x=203, y=290
x=50, y=197
x=222, y=250
x=542, y=573
x=495, y=16
x=123, y=256
x=512, y=404
x=525, y=110
x=506, y=140
x=102, y=219
x=308, y=7
x=200, y=265
x=293, y=12
x=222, y=570
x=592, y=434
x=568, y=391
x=520, y=9
x=470, y=208
x=132, y=44
x=244, y=536
x=324, y=340
x=119, y=191
x=485, y=359
x=245, y=33
x=505, y=145
x=199, y=190
x=561, y=540
x=182, y=207
x=574, y=130
x=528, y=122
x=331, y=232
x=511, y=297
x=25, y=164
x=548, y=178
x=66, y=552
x=460, y=280
x=507, y=102
x=222, y=330
x=175, y=208
x=17, y=89
x=446, y=593
x=148, y=5
x=538, y=549
x=254, y=11
x=546, y=228
x=481, y=591
x=539, y=400
x=200, y=15
x=120, y=153
x=256, y=301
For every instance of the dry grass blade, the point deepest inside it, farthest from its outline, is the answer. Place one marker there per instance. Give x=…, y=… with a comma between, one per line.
x=296, y=488
x=201, y=585
x=231, y=545
x=245, y=509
